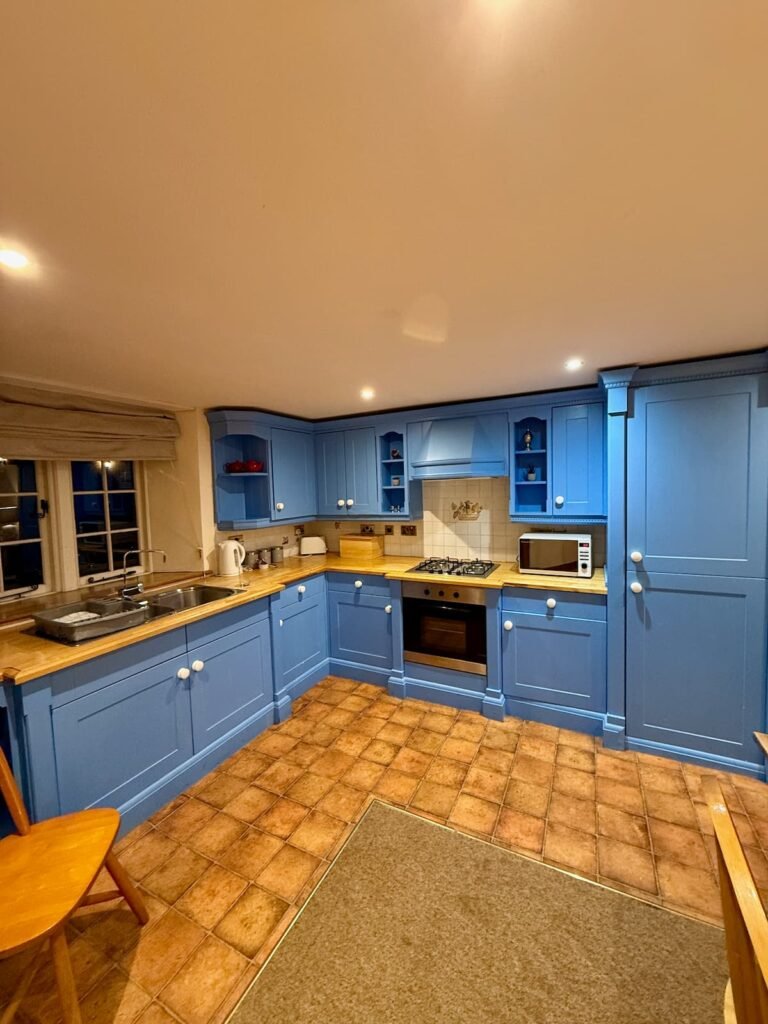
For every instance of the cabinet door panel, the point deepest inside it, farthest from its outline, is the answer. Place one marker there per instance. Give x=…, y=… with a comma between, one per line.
x=362, y=483
x=114, y=742
x=302, y=635
x=578, y=460
x=331, y=472
x=556, y=660
x=361, y=629
x=234, y=684
x=697, y=487
x=696, y=662
x=294, y=481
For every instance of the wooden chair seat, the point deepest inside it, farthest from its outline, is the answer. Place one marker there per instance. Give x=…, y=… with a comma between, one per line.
x=46, y=874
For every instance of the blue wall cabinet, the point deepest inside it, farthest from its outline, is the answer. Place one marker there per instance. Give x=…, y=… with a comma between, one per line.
x=530, y=458
x=242, y=500
x=696, y=662
x=554, y=655
x=300, y=632
x=578, y=460
x=360, y=622
x=294, y=480
x=347, y=473
x=458, y=447
x=697, y=482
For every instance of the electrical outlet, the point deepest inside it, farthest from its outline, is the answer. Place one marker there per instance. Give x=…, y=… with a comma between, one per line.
x=407, y=530
x=285, y=540
x=367, y=530
x=389, y=530
x=298, y=531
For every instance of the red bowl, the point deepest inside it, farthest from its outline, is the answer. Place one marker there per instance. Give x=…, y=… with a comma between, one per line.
x=234, y=467
x=254, y=466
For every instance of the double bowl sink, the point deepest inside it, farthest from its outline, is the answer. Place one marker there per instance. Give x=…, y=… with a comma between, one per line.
x=88, y=620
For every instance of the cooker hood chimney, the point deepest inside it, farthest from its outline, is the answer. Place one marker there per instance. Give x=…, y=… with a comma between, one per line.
x=454, y=449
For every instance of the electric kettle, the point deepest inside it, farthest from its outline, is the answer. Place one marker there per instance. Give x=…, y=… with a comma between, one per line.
x=231, y=557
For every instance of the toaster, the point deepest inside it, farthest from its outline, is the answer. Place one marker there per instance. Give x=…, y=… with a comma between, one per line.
x=312, y=546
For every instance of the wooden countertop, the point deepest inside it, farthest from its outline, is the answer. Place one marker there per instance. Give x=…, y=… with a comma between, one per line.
x=25, y=656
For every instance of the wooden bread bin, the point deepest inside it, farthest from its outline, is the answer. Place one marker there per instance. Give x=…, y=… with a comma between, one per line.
x=356, y=545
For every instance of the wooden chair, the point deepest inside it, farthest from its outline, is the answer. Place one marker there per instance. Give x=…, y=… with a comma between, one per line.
x=46, y=872
x=746, y=925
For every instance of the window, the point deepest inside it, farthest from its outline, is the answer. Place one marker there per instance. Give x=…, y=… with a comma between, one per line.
x=21, y=545
x=106, y=517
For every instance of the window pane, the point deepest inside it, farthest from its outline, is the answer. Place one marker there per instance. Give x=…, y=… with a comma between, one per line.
x=18, y=518
x=86, y=476
x=92, y=555
x=17, y=476
x=122, y=511
x=22, y=566
x=122, y=542
x=89, y=513
x=120, y=476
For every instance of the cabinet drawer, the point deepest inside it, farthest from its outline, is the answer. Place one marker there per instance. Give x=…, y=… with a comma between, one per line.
x=205, y=630
x=534, y=602
x=345, y=583
x=303, y=591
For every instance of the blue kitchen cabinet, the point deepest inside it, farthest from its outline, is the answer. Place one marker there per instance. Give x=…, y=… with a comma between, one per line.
x=242, y=500
x=458, y=447
x=300, y=639
x=399, y=497
x=696, y=664
x=347, y=473
x=578, y=460
x=697, y=485
x=360, y=619
x=553, y=655
x=294, y=480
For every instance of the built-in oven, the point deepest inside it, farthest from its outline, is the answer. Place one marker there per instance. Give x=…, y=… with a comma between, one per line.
x=444, y=625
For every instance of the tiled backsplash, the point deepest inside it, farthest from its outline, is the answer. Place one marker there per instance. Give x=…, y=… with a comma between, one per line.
x=440, y=532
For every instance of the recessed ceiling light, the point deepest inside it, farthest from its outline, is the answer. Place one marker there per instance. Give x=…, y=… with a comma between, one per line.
x=13, y=259
x=367, y=394
x=574, y=364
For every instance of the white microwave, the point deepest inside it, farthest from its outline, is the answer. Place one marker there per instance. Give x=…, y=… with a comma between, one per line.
x=555, y=554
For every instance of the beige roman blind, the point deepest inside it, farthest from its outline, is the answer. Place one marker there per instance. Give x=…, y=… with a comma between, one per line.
x=39, y=424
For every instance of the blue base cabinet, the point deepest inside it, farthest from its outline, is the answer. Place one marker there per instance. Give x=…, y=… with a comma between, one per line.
x=360, y=614
x=300, y=635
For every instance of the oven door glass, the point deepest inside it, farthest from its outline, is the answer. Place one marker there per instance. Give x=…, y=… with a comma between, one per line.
x=441, y=634
x=550, y=556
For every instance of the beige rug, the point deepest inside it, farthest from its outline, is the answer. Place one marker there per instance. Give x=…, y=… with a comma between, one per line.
x=415, y=923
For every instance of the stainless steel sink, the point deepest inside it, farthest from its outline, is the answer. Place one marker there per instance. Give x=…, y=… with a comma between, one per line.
x=180, y=598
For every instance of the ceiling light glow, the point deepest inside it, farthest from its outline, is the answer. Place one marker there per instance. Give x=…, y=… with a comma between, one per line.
x=574, y=364
x=367, y=394
x=13, y=259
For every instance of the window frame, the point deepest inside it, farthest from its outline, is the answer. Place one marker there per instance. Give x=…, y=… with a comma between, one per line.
x=44, y=540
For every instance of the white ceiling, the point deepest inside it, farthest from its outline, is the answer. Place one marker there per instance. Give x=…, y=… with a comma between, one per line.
x=276, y=202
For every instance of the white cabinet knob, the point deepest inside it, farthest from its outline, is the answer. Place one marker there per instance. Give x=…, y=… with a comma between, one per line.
x=358, y=584
x=636, y=556
x=280, y=506
x=301, y=589
x=636, y=588
x=388, y=609
x=282, y=623
x=340, y=503
x=508, y=625
x=198, y=665
x=350, y=503
x=183, y=673
x=551, y=602
x=559, y=501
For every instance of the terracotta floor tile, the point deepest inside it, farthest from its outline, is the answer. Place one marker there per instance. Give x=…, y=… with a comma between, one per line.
x=494, y=760
x=571, y=811
x=663, y=781
x=342, y=802
x=500, y=739
x=678, y=843
x=156, y=1014
x=90, y=965
x=115, y=931
x=275, y=744
x=211, y=896
x=627, y=828
x=250, y=803
x=396, y=786
x=218, y=835
x=425, y=740
x=447, y=772
x=570, y=847
x=534, y=746
x=406, y=716
x=176, y=875
x=251, y=921
x=468, y=729
x=249, y=765
x=309, y=788
x=473, y=813
x=756, y=803
x=624, y=863
x=184, y=822
x=394, y=733
x=459, y=750
x=527, y=798
x=250, y=854
x=522, y=830
x=435, y=797
x=541, y=729
x=331, y=697
x=354, y=703
x=580, y=740
x=148, y=853
x=573, y=782
x=412, y=762
x=571, y=757
x=363, y=775
x=221, y=789
x=130, y=837
x=352, y=743
x=318, y=833
x=380, y=752
x=436, y=722
x=161, y=951
x=278, y=777
x=758, y=865
x=204, y=981
x=532, y=769
x=304, y=754
x=333, y=764
x=369, y=727
x=167, y=809
x=615, y=768
x=486, y=784
x=686, y=886
x=282, y=817
x=677, y=809
x=287, y=872
x=339, y=718
x=323, y=735
x=296, y=727
x=116, y=1000
x=617, y=794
